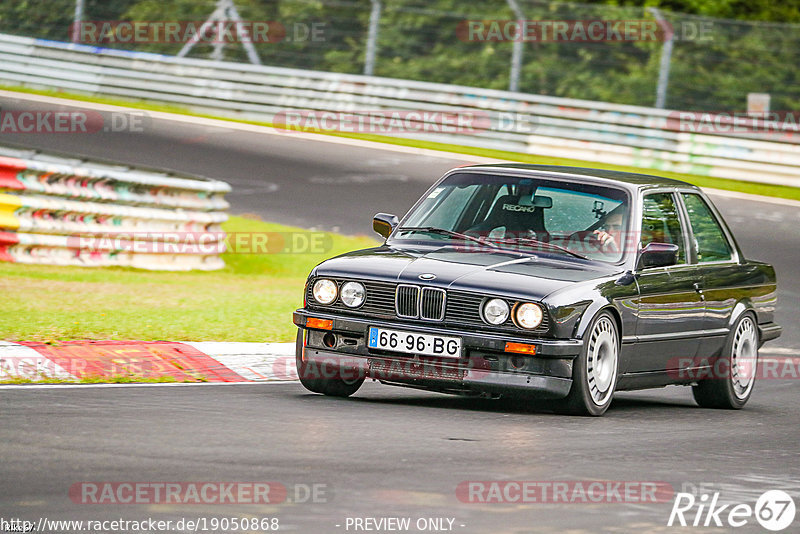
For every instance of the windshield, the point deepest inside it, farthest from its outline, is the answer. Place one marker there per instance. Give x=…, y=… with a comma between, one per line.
x=523, y=214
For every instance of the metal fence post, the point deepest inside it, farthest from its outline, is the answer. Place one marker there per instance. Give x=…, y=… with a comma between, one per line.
x=225, y=11
x=244, y=35
x=372, y=37
x=666, y=56
x=76, y=26
x=516, y=50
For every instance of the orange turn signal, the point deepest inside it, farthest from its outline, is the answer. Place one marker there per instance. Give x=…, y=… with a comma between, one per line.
x=322, y=324
x=521, y=348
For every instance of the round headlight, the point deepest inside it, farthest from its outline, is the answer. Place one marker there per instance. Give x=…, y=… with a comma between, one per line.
x=495, y=311
x=325, y=291
x=353, y=294
x=528, y=315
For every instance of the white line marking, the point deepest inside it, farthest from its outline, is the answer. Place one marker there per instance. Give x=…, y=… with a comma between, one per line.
x=231, y=125
x=778, y=350
x=239, y=348
x=752, y=198
x=253, y=361
x=20, y=361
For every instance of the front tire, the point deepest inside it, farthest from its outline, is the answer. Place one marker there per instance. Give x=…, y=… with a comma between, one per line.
x=734, y=372
x=595, y=370
x=321, y=379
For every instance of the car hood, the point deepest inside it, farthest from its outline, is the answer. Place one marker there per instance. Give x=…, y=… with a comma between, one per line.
x=508, y=273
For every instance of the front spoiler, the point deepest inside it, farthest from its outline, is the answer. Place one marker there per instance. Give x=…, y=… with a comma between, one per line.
x=321, y=363
x=545, y=348
x=545, y=386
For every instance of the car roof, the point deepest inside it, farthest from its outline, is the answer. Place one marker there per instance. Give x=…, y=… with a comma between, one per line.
x=631, y=178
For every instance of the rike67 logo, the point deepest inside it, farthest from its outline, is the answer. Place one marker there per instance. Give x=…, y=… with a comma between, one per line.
x=774, y=510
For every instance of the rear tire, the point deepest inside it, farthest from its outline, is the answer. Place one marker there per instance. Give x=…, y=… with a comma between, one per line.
x=322, y=380
x=734, y=372
x=595, y=370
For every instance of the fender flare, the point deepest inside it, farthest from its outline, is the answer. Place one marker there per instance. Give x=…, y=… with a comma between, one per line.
x=741, y=307
x=591, y=312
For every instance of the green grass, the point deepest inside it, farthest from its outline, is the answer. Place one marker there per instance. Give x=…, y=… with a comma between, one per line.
x=250, y=300
x=702, y=181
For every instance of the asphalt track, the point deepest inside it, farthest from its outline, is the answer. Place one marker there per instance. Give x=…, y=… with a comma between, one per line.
x=385, y=452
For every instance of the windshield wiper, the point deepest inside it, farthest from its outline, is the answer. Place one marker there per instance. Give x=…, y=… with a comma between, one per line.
x=442, y=231
x=532, y=241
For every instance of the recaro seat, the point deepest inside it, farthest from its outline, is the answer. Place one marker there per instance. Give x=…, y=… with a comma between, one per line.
x=517, y=219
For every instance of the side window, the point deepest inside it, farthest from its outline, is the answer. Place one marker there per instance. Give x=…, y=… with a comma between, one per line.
x=709, y=239
x=661, y=224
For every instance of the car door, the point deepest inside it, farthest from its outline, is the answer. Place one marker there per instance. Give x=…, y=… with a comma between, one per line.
x=720, y=272
x=670, y=303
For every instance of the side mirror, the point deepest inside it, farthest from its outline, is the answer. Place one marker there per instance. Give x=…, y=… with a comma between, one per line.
x=658, y=255
x=384, y=223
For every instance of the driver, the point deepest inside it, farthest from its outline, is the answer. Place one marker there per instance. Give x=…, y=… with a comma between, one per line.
x=610, y=233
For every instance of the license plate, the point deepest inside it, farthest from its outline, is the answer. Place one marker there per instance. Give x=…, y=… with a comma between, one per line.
x=411, y=343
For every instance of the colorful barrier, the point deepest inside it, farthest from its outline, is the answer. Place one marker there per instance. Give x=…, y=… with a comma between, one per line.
x=62, y=211
x=122, y=361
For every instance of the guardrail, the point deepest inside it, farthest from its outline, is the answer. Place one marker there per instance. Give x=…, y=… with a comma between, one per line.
x=61, y=211
x=643, y=137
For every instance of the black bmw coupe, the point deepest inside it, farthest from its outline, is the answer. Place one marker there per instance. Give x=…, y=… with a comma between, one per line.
x=543, y=282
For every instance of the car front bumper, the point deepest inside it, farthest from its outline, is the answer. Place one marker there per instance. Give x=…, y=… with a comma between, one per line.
x=484, y=366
